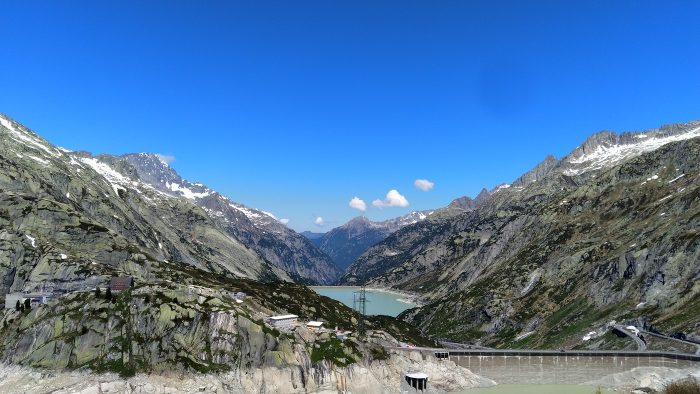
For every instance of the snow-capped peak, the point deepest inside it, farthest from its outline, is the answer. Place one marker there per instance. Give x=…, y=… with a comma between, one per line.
x=607, y=149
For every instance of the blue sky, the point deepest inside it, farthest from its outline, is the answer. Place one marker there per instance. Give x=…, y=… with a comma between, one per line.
x=295, y=107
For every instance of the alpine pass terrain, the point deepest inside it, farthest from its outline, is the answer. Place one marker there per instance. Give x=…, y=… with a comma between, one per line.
x=138, y=199
x=609, y=232
x=124, y=267
x=346, y=243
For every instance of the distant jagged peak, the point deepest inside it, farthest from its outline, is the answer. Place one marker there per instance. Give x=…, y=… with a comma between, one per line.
x=465, y=202
x=359, y=221
x=157, y=173
x=607, y=148
x=482, y=197
x=153, y=170
x=537, y=173
x=362, y=223
x=312, y=235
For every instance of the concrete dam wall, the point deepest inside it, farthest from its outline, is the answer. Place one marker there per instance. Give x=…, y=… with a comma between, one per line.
x=556, y=367
x=563, y=367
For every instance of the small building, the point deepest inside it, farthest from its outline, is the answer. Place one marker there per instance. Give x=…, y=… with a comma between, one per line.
x=238, y=297
x=342, y=335
x=417, y=380
x=35, y=299
x=121, y=283
x=442, y=355
x=314, y=325
x=12, y=298
x=283, y=321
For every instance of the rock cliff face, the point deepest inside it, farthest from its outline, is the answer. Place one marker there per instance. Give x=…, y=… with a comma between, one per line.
x=346, y=243
x=608, y=232
x=374, y=378
x=260, y=231
x=67, y=216
x=69, y=221
x=175, y=329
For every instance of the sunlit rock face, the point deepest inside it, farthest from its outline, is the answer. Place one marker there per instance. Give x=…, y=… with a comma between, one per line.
x=344, y=244
x=120, y=210
x=608, y=232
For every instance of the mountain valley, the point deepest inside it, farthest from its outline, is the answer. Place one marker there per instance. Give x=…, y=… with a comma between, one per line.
x=609, y=232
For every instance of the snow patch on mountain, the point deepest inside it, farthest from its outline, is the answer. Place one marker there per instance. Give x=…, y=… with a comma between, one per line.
x=257, y=217
x=186, y=192
x=117, y=180
x=37, y=159
x=269, y=214
x=26, y=138
x=607, y=155
x=501, y=187
x=31, y=239
x=676, y=178
x=412, y=218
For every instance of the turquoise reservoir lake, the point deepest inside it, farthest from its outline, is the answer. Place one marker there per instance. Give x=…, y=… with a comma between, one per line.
x=536, y=389
x=378, y=302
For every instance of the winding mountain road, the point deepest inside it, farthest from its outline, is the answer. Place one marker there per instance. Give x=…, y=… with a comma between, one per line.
x=641, y=346
x=697, y=345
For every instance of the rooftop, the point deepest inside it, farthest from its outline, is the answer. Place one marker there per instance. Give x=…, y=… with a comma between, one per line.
x=31, y=294
x=284, y=317
x=121, y=282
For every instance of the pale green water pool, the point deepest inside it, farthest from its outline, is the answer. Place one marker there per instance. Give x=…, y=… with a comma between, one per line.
x=535, y=389
x=379, y=302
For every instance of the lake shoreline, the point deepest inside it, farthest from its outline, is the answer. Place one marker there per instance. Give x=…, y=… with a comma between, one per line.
x=407, y=297
x=379, y=301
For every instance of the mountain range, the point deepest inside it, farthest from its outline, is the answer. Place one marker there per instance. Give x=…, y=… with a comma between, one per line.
x=608, y=232
x=70, y=222
x=137, y=199
x=344, y=244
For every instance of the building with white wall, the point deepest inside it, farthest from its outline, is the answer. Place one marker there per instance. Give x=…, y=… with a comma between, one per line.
x=35, y=299
x=283, y=321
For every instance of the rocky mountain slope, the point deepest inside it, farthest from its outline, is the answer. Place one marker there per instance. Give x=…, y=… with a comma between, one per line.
x=608, y=232
x=375, y=259
x=186, y=322
x=96, y=208
x=346, y=243
x=69, y=222
x=260, y=231
x=68, y=217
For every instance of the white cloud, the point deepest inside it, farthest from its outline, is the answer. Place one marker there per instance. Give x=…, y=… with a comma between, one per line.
x=393, y=199
x=167, y=159
x=358, y=203
x=423, y=184
x=320, y=222
x=284, y=221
